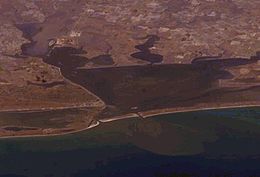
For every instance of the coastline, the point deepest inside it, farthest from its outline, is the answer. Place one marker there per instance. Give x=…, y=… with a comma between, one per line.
x=141, y=115
x=101, y=104
x=147, y=114
x=26, y=110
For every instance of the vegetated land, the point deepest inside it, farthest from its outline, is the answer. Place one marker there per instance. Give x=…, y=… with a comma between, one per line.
x=74, y=63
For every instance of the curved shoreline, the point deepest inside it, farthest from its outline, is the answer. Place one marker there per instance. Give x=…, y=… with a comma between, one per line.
x=173, y=110
x=133, y=115
x=100, y=103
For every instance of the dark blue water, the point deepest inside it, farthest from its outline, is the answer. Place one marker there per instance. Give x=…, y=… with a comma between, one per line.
x=205, y=143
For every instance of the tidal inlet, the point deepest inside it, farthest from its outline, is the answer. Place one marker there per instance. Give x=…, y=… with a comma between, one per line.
x=155, y=88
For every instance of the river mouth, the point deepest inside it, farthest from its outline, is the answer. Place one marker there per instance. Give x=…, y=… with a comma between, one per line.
x=225, y=141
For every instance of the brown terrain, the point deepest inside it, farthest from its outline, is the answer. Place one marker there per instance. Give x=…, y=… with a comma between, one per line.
x=66, y=65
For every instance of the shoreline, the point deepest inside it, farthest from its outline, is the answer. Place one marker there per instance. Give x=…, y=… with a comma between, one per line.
x=152, y=113
x=141, y=115
x=26, y=110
